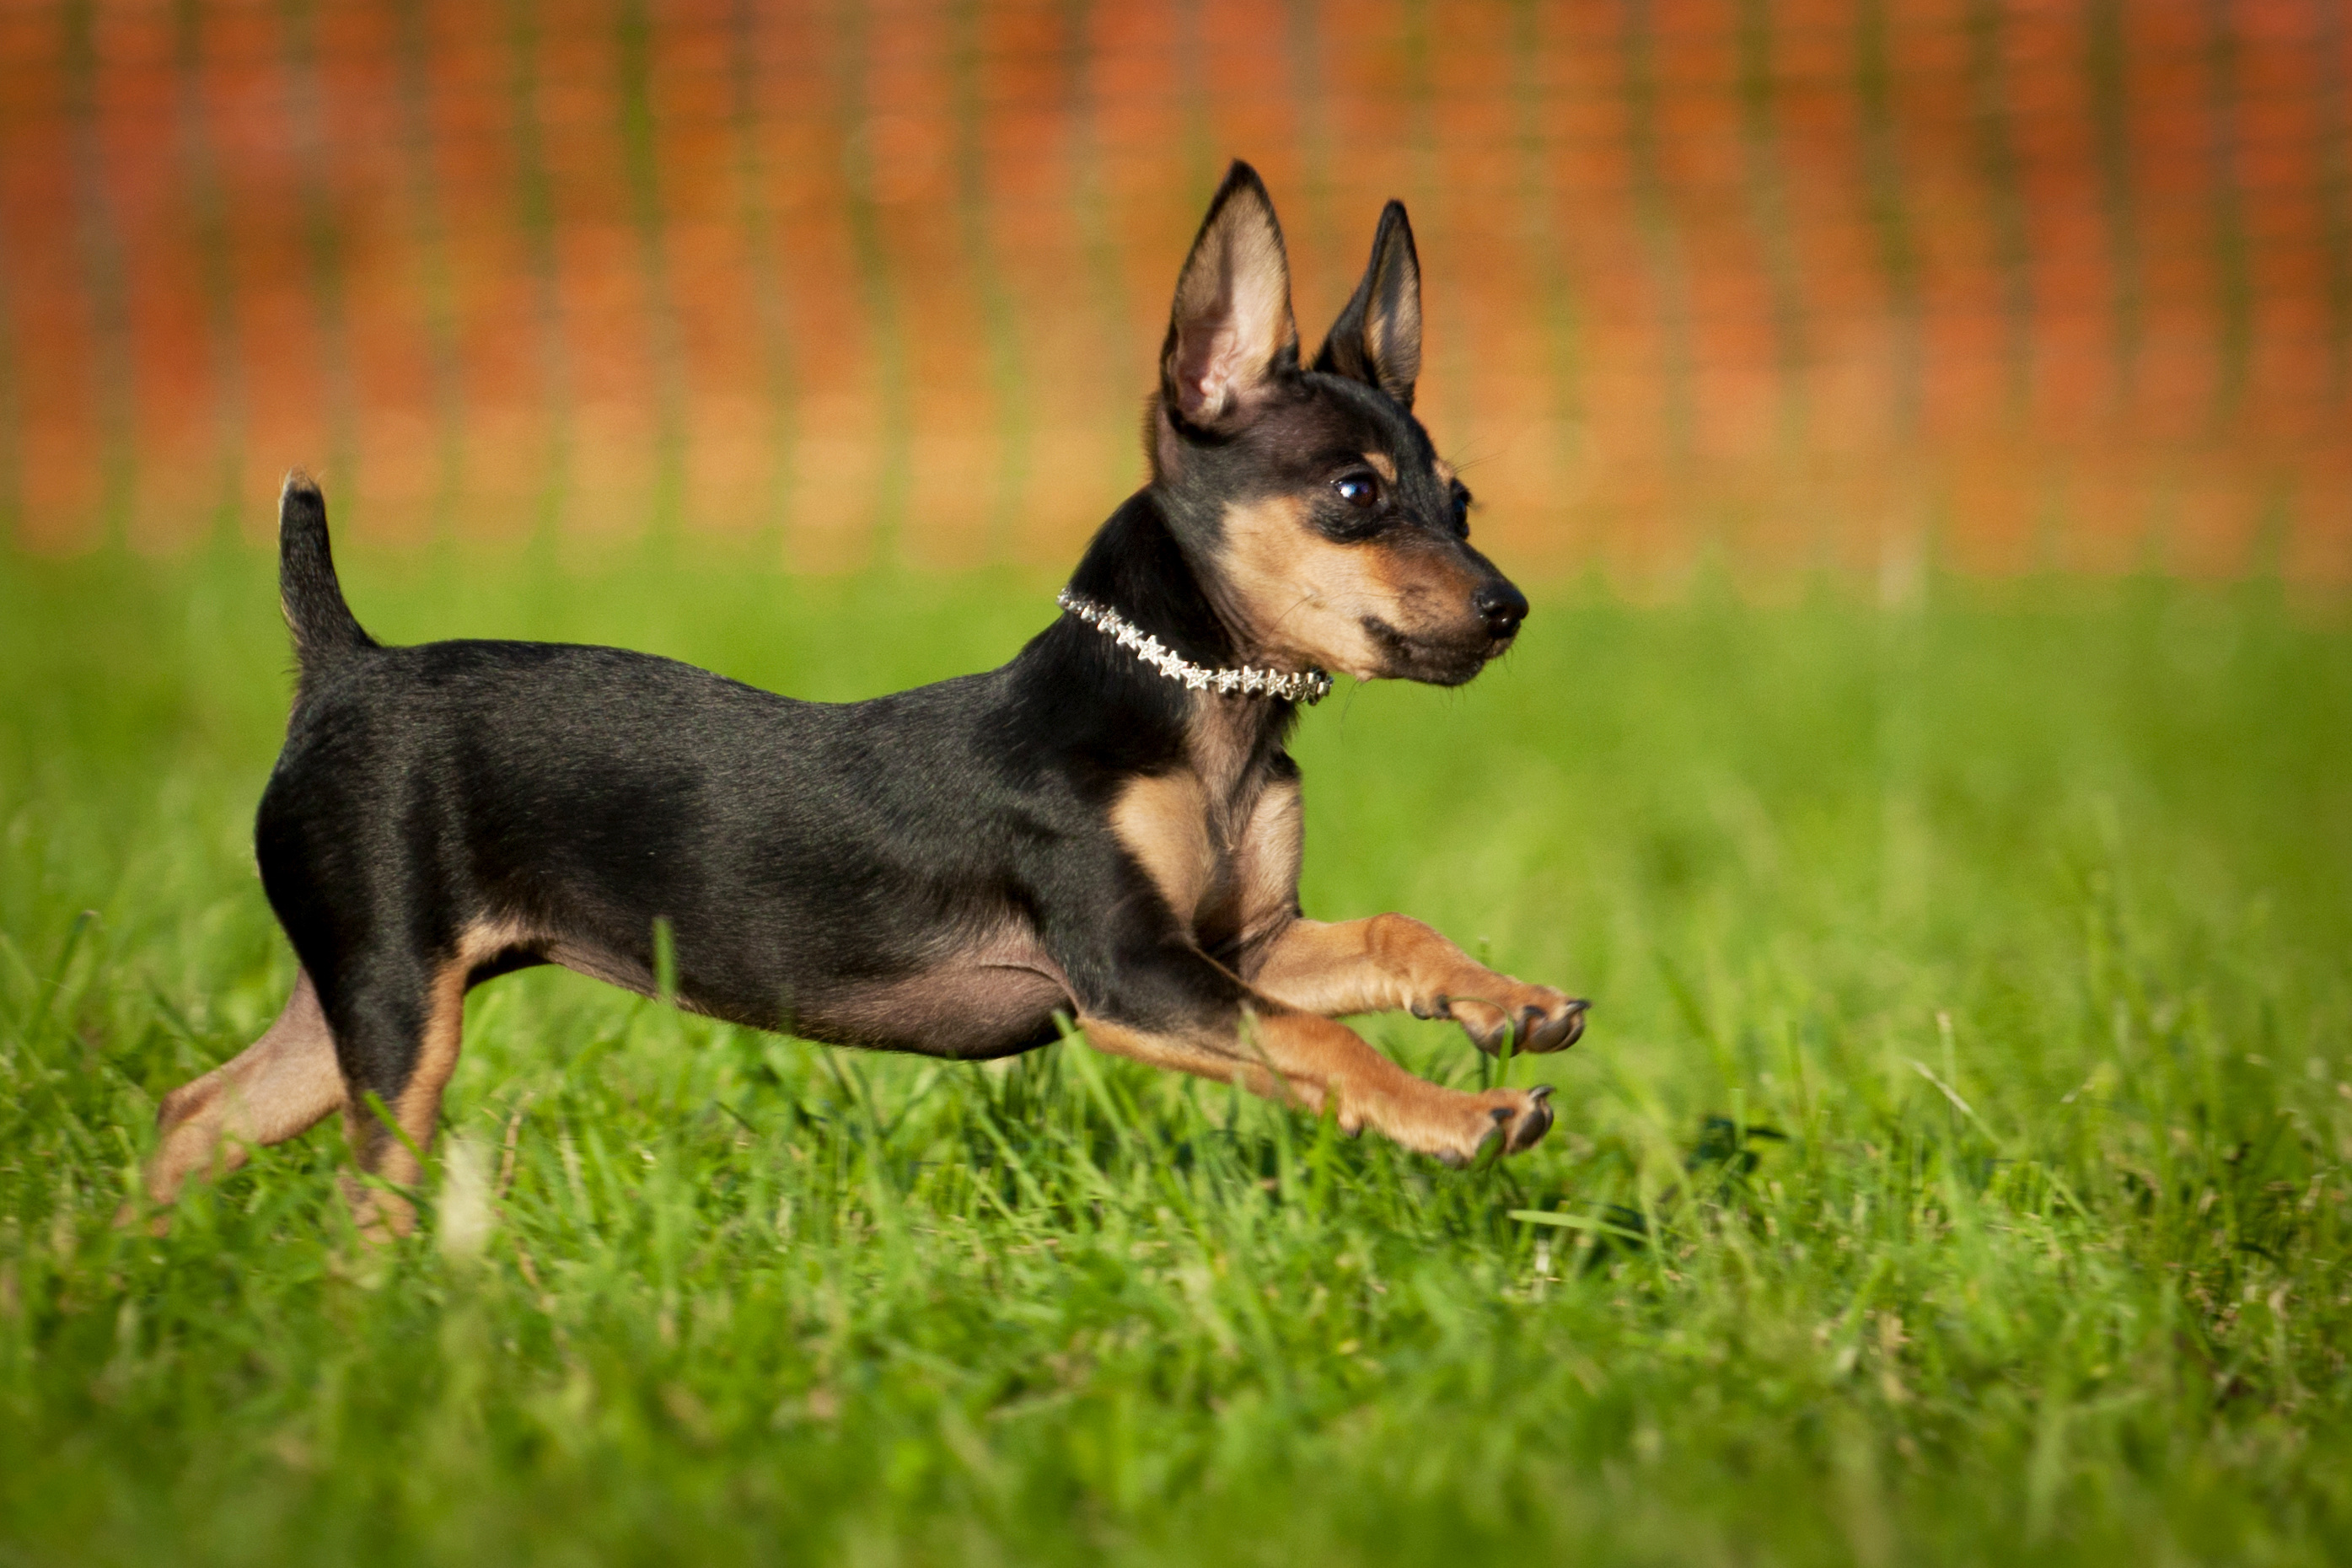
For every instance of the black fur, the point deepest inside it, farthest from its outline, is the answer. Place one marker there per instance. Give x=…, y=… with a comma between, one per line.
x=323, y=625
x=803, y=853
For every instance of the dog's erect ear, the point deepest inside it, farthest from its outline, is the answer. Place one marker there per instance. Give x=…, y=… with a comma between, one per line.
x=1377, y=337
x=1231, y=331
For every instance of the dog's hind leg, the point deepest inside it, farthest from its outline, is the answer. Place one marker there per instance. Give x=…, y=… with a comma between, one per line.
x=397, y=1020
x=279, y=1087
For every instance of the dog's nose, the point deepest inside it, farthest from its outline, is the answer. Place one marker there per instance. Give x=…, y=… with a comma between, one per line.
x=1502, y=607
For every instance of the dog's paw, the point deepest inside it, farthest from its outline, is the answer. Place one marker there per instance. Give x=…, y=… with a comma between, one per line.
x=1519, y=1118
x=1544, y=1019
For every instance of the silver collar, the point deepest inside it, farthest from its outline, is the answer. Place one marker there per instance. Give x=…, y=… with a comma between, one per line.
x=1307, y=686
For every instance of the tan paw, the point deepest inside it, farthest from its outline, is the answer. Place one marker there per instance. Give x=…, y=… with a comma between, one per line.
x=1544, y=1019
x=381, y=1217
x=1519, y=1117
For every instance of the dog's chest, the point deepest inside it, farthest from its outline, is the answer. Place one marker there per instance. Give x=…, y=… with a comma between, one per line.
x=1225, y=861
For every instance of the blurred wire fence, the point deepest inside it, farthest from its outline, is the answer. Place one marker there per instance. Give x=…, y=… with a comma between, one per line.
x=2021, y=283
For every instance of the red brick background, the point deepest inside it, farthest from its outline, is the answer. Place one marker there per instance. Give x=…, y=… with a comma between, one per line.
x=2025, y=284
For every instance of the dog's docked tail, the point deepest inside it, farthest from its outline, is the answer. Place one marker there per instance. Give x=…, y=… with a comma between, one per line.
x=323, y=625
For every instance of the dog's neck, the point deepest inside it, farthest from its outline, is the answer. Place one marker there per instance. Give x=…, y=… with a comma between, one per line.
x=1137, y=568
x=1309, y=687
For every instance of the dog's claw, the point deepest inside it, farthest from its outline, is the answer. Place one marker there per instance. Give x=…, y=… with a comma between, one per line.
x=1538, y=1027
x=1535, y=1123
x=1556, y=1033
x=1512, y=1127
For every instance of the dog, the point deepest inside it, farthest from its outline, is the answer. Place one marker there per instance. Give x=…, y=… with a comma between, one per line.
x=1103, y=833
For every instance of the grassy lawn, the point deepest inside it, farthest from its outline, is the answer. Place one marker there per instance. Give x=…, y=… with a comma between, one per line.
x=1955, y=1169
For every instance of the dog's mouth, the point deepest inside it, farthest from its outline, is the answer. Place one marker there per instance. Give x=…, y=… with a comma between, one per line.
x=1434, y=660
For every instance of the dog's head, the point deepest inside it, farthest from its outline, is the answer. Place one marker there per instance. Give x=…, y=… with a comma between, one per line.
x=1329, y=529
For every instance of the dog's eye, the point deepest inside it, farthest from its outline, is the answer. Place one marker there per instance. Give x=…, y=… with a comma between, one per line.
x=1461, y=510
x=1359, y=490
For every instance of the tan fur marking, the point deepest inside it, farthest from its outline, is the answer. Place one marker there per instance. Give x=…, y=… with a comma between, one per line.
x=1222, y=849
x=1220, y=1061
x=1382, y=465
x=1305, y=597
x=417, y=1111
x=1221, y=742
x=1265, y=864
x=1445, y=474
x=1392, y=961
x=288, y=1081
x=278, y=1088
x=1163, y=822
x=1317, y=1064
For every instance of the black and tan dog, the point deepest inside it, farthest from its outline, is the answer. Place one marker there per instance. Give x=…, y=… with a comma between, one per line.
x=1106, y=827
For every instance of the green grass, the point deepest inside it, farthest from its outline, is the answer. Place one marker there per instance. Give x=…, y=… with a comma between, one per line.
x=1955, y=1169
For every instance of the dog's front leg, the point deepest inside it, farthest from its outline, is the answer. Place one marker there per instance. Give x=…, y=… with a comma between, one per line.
x=1200, y=1020
x=1394, y=962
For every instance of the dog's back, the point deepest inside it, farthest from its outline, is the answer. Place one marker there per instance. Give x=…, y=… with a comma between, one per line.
x=526, y=802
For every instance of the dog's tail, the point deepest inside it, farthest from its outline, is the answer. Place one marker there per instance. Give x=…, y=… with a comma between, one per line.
x=324, y=628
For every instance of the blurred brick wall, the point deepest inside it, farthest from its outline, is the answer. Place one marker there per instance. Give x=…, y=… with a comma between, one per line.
x=1807, y=281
